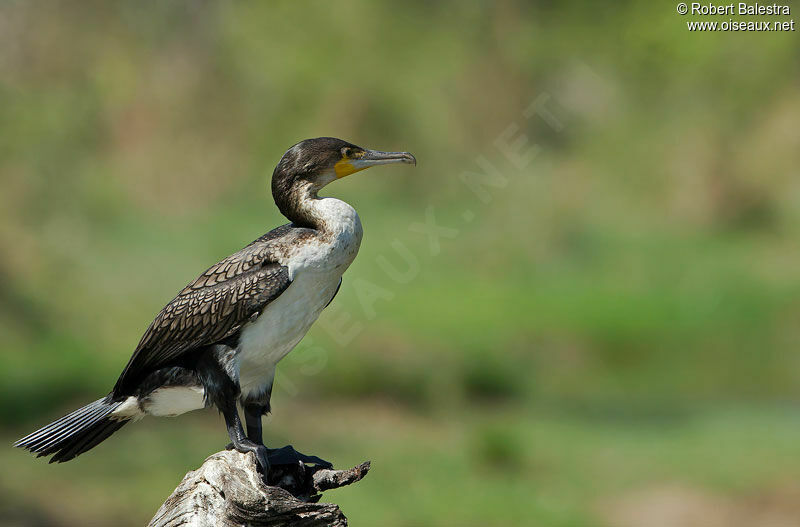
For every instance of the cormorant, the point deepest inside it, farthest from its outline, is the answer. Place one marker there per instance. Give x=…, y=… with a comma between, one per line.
x=218, y=342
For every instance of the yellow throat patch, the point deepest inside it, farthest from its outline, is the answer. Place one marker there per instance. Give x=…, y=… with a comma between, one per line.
x=344, y=167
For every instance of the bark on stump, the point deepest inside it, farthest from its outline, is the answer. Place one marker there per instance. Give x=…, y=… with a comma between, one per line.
x=228, y=490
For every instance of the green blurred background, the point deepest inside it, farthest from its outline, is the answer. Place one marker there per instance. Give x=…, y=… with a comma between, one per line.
x=610, y=340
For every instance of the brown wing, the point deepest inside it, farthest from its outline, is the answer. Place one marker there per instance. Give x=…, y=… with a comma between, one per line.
x=211, y=308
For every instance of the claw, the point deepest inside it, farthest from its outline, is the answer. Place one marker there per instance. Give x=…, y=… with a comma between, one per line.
x=261, y=452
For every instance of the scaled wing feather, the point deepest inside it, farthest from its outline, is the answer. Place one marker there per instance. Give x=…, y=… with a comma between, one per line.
x=211, y=308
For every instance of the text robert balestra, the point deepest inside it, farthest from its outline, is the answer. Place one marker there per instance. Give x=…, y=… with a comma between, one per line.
x=741, y=8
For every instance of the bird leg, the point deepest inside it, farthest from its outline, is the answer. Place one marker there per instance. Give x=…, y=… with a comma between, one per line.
x=240, y=442
x=252, y=415
x=222, y=392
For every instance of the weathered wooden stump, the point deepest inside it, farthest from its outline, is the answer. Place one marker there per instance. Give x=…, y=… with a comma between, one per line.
x=228, y=490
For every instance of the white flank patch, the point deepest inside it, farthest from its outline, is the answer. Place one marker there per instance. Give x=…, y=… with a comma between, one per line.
x=174, y=400
x=128, y=410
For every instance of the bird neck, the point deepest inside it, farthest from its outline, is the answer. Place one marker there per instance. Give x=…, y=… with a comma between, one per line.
x=303, y=207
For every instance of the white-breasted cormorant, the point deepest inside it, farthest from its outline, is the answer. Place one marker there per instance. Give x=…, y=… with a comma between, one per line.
x=218, y=342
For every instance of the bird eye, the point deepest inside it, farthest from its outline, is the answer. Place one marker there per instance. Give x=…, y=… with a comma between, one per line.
x=347, y=151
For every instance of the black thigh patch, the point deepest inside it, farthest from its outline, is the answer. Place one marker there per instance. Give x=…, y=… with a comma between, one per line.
x=220, y=389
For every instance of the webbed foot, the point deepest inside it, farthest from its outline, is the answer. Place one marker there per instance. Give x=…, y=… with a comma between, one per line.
x=289, y=456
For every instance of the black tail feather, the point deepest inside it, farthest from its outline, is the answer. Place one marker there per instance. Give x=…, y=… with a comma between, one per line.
x=50, y=435
x=88, y=440
x=61, y=428
x=75, y=433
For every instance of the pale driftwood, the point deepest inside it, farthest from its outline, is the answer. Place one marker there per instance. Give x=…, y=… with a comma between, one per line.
x=228, y=490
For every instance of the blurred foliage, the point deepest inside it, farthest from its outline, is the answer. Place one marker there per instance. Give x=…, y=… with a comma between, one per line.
x=621, y=315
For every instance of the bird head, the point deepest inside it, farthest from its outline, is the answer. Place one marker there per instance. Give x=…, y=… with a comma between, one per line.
x=311, y=164
x=314, y=163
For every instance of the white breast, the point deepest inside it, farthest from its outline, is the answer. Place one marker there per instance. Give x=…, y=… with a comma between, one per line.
x=315, y=268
